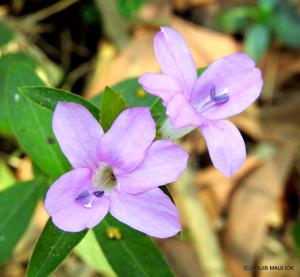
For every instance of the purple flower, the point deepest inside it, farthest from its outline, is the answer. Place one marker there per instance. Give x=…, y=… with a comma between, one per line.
x=118, y=171
x=227, y=87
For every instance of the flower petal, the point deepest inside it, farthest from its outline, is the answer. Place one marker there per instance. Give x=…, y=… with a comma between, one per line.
x=225, y=145
x=181, y=113
x=78, y=134
x=124, y=146
x=175, y=58
x=236, y=74
x=161, y=85
x=151, y=212
x=163, y=164
x=67, y=213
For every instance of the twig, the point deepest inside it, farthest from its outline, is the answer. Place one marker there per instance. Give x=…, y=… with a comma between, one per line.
x=45, y=13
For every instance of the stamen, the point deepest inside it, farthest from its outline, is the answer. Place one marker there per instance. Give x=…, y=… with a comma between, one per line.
x=89, y=205
x=221, y=98
x=98, y=193
x=83, y=195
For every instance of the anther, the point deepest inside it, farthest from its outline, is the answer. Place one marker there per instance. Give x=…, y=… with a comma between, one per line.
x=221, y=98
x=98, y=193
x=83, y=195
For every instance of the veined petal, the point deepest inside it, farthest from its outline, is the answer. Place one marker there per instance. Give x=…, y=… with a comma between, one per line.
x=124, y=146
x=161, y=85
x=163, y=164
x=181, y=113
x=225, y=144
x=175, y=58
x=78, y=134
x=151, y=212
x=67, y=213
x=234, y=74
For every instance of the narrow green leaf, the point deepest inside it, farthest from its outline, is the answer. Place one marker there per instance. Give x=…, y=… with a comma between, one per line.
x=51, y=249
x=234, y=20
x=130, y=253
x=49, y=97
x=17, y=205
x=257, y=40
x=32, y=123
x=6, y=35
x=112, y=104
x=91, y=253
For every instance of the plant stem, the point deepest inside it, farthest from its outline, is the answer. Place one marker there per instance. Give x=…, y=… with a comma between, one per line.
x=205, y=239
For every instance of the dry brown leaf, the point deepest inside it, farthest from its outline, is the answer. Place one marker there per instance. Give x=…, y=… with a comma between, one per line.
x=251, y=206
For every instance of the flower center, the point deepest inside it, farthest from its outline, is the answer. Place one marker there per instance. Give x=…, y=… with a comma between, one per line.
x=103, y=182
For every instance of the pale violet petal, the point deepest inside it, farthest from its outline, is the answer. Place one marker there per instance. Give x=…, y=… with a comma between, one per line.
x=235, y=75
x=67, y=213
x=163, y=164
x=225, y=145
x=124, y=145
x=151, y=212
x=78, y=134
x=175, y=58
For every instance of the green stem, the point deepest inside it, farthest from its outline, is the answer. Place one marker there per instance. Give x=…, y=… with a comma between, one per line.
x=204, y=236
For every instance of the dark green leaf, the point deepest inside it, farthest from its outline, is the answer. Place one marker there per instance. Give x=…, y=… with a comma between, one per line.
x=32, y=123
x=257, y=40
x=51, y=249
x=16, y=208
x=5, y=63
x=286, y=27
x=49, y=97
x=132, y=254
x=112, y=104
x=6, y=35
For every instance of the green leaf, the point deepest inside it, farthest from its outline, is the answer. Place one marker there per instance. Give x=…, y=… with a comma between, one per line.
x=267, y=5
x=32, y=123
x=286, y=26
x=234, y=20
x=130, y=253
x=49, y=97
x=17, y=205
x=112, y=105
x=296, y=237
x=6, y=35
x=91, y=253
x=51, y=249
x=6, y=176
x=5, y=63
x=133, y=94
x=257, y=40
x=128, y=8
